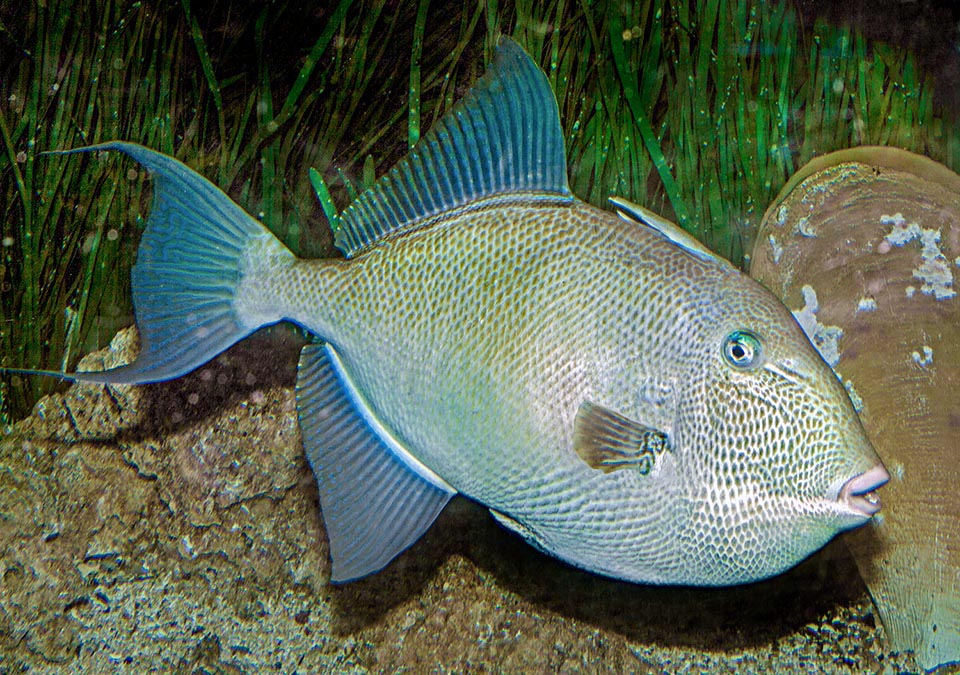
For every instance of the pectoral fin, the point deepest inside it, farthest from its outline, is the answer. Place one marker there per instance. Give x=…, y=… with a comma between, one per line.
x=608, y=441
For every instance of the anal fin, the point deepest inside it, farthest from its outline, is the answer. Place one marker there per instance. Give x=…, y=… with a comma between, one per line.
x=377, y=498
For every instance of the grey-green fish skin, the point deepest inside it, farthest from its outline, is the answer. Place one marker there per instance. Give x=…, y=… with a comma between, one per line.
x=476, y=337
x=611, y=390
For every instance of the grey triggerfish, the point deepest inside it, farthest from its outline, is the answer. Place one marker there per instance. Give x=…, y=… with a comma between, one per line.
x=610, y=389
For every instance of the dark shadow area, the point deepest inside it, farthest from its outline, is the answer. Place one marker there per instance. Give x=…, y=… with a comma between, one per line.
x=265, y=360
x=695, y=618
x=930, y=29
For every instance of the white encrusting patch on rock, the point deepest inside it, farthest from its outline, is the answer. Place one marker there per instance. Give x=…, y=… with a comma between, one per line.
x=776, y=249
x=934, y=270
x=805, y=228
x=782, y=214
x=825, y=338
x=854, y=395
x=924, y=357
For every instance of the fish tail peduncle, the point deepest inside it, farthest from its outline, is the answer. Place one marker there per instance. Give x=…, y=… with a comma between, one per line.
x=195, y=251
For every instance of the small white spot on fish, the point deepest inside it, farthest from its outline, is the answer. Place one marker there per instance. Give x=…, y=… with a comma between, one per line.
x=910, y=290
x=866, y=305
x=897, y=220
x=926, y=359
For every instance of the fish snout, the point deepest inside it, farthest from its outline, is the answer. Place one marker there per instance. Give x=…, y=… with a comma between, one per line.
x=858, y=494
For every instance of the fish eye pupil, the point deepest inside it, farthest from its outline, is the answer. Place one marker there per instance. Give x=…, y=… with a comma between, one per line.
x=741, y=349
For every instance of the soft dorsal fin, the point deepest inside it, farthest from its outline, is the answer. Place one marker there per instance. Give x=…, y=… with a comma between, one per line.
x=608, y=441
x=502, y=137
x=673, y=232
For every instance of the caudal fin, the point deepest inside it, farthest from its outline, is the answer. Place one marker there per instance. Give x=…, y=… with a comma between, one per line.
x=188, y=269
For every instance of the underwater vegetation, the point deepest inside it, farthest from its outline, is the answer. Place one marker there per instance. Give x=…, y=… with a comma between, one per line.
x=700, y=112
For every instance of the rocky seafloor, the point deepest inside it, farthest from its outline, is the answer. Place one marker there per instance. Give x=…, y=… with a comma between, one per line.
x=174, y=528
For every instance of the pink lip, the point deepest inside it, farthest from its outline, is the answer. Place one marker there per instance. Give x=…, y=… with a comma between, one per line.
x=858, y=492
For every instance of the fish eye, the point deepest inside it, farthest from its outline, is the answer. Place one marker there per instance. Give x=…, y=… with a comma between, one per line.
x=741, y=349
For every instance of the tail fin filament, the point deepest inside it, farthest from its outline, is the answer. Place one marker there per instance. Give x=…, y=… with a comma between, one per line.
x=188, y=269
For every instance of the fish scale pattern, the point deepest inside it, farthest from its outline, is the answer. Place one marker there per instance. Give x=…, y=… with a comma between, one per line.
x=476, y=339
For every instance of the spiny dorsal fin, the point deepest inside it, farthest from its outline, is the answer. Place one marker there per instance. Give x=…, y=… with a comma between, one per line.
x=502, y=137
x=608, y=441
x=673, y=232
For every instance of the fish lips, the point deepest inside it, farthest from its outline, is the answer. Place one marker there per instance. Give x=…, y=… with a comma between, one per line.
x=858, y=494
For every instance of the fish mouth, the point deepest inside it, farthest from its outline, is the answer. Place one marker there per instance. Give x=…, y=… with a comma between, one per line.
x=858, y=495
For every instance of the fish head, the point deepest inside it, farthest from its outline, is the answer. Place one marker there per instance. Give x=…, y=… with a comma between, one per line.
x=775, y=458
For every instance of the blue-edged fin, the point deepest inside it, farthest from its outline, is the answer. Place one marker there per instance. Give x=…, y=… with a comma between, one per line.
x=377, y=499
x=504, y=136
x=187, y=271
x=608, y=441
x=671, y=231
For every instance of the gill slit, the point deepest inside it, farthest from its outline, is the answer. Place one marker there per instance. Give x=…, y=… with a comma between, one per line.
x=782, y=371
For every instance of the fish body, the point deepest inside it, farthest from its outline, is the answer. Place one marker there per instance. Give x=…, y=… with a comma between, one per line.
x=612, y=391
